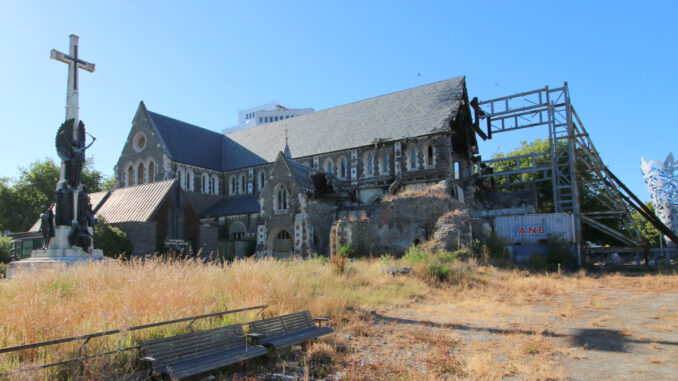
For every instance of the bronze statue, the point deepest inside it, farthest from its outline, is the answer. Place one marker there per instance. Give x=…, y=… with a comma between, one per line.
x=79, y=235
x=46, y=225
x=72, y=151
x=64, y=205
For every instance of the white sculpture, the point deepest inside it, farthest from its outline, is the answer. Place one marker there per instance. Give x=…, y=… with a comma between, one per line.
x=662, y=184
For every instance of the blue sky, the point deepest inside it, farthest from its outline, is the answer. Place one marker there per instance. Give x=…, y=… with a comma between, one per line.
x=202, y=61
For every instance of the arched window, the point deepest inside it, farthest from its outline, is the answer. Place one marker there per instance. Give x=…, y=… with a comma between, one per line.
x=205, y=183
x=342, y=173
x=141, y=173
x=151, y=171
x=243, y=184
x=281, y=198
x=384, y=163
x=232, y=187
x=214, y=185
x=429, y=156
x=457, y=170
x=181, y=175
x=190, y=181
x=129, y=180
x=369, y=165
x=237, y=231
x=329, y=166
x=262, y=180
x=412, y=159
x=284, y=234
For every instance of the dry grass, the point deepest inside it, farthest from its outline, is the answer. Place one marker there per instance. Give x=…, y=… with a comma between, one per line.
x=91, y=298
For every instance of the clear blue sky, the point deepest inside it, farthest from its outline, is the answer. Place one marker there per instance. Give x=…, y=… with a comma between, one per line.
x=202, y=61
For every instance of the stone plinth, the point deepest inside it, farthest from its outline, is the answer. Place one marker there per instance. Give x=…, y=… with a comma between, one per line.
x=42, y=259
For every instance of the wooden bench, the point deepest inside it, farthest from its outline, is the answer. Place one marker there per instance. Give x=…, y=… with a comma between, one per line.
x=287, y=330
x=198, y=352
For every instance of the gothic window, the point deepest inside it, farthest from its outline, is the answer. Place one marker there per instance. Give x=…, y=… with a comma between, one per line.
x=343, y=168
x=237, y=231
x=457, y=170
x=243, y=184
x=140, y=174
x=262, y=180
x=329, y=166
x=181, y=175
x=281, y=198
x=369, y=165
x=129, y=180
x=151, y=171
x=205, y=183
x=412, y=159
x=214, y=186
x=232, y=187
x=384, y=163
x=284, y=234
x=430, y=156
x=190, y=181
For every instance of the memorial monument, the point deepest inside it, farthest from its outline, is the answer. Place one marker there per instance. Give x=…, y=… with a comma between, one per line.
x=68, y=231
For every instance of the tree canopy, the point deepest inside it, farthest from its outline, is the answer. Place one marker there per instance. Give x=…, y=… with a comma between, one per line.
x=21, y=199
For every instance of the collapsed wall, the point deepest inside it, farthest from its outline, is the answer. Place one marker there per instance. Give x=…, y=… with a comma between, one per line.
x=393, y=226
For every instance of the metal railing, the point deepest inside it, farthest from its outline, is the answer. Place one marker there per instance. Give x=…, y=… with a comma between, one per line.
x=81, y=351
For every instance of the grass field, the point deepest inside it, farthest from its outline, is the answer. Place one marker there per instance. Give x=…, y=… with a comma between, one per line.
x=422, y=313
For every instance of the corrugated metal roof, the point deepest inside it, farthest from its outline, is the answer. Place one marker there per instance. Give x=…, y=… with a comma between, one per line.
x=190, y=144
x=95, y=199
x=414, y=112
x=232, y=206
x=136, y=203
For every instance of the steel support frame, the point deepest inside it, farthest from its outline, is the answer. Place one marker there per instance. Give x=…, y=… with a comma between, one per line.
x=569, y=147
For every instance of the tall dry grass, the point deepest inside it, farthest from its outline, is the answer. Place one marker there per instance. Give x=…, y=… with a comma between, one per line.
x=72, y=301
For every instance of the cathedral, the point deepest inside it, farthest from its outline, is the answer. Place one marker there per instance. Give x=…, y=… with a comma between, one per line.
x=276, y=188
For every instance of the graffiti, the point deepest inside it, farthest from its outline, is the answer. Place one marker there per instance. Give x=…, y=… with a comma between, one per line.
x=662, y=184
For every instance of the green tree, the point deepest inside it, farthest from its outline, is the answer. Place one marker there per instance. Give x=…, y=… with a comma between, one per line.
x=20, y=200
x=113, y=241
x=648, y=231
x=5, y=244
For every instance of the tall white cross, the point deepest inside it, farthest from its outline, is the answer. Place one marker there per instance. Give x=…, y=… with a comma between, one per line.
x=74, y=63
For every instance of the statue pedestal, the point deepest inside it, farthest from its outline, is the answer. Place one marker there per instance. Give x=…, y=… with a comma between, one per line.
x=47, y=258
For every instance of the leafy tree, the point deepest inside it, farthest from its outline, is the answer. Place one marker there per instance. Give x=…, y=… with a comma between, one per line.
x=113, y=241
x=20, y=201
x=544, y=189
x=648, y=231
x=5, y=243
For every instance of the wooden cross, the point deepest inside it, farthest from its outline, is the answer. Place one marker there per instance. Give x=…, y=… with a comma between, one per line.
x=74, y=63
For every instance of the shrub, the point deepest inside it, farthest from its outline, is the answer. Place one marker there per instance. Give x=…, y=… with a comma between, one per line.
x=438, y=271
x=415, y=254
x=347, y=251
x=556, y=253
x=3, y=270
x=5, y=249
x=111, y=240
x=339, y=262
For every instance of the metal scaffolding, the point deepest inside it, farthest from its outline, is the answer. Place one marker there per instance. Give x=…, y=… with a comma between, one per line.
x=574, y=166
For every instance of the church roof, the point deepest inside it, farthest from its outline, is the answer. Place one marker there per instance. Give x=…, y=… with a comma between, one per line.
x=135, y=204
x=413, y=112
x=188, y=143
x=233, y=205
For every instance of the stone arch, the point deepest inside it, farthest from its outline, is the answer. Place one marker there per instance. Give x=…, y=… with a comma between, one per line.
x=129, y=175
x=279, y=242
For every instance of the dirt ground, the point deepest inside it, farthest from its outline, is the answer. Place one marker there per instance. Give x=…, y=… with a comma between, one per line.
x=592, y=335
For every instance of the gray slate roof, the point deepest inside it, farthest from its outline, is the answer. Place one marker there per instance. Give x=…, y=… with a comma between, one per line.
x=233, y=206
x=414, y=112
x=190, y=144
